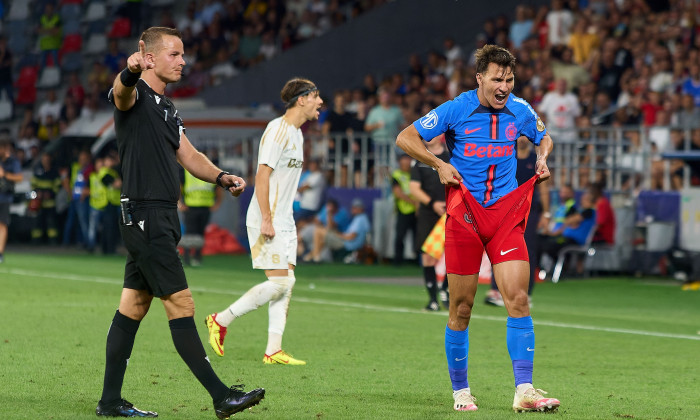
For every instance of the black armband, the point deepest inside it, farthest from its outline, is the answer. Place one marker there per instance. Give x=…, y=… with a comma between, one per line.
x=218, y=178
x=128, y=78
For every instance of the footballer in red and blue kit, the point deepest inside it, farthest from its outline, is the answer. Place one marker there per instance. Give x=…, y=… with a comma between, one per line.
x=487, y=210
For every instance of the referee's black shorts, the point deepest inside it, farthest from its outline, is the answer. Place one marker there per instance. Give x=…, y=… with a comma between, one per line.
x=153, y=263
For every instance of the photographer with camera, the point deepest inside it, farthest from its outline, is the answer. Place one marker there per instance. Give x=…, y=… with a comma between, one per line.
x=10, y=173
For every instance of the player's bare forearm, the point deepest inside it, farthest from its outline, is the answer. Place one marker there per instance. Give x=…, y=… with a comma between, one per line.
x=410, y=142
x=262, y=191
x=543, y=150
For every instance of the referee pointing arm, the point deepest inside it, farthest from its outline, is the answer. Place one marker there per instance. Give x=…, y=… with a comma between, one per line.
x=151, y=140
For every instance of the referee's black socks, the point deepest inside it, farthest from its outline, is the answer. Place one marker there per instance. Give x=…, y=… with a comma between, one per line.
x=430, y=282
x=190, y=348
x=120, y=341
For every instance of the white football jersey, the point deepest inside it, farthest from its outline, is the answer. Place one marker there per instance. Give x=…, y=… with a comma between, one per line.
x=282, y=149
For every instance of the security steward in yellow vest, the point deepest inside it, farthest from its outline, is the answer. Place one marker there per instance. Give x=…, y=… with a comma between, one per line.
x=199, y=199
x=405, y=206
x=111, y=180
x=46, y=181
x=103, y=182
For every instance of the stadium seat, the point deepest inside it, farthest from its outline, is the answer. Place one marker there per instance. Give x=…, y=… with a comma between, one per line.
x=575, y=251
x=70, y=12
x=96, y=11
x=5, y=108
x=26, y=86
x=97, y=44
x=71, y=27
x=19, y=10
x=72, y=62
x=121, y=28
x=50, y=77
x=71, y=43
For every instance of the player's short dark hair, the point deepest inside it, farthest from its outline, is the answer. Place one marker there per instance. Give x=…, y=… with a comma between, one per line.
x=296, y=88
x=153, y=37
x=493, y=54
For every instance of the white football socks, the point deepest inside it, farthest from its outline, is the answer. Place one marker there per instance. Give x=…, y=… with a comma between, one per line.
x=277, y=313
x=254, y=298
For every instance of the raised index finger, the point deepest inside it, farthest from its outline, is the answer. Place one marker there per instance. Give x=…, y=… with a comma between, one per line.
x=142, y=48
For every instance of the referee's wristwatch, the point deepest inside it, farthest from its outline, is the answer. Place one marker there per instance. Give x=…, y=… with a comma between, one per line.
x=218, y=178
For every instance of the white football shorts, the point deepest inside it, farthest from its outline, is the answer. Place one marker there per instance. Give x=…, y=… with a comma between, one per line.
x=277, y=253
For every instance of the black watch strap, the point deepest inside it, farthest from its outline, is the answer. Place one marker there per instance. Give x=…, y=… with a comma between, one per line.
x=218, y=178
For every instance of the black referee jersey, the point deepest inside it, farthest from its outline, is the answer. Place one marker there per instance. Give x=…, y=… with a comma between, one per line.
x=148, y=136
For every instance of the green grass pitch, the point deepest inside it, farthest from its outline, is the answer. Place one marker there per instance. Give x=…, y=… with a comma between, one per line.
x=607, y=348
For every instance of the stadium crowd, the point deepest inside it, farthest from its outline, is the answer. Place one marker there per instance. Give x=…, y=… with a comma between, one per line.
x=581, y=64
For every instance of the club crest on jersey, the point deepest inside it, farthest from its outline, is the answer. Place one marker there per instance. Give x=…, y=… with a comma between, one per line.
x=540, y=125
x=511, y=132
x=293, y=163
x=429, y=121
x=467, y=219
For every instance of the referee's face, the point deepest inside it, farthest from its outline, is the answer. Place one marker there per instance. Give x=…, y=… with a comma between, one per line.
x=495, y=85
x=169, y=59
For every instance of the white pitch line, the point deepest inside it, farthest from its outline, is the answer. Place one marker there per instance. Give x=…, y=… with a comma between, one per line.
x=107, y=280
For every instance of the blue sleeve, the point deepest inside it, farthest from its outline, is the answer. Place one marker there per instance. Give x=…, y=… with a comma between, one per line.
x=533, y=127
x=436, y=121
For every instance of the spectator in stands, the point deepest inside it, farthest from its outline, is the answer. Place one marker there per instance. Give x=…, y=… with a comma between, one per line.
x=51, y=107
x=268, y=47
x=6, y=80
x=405, y=206
x=521, y=28
x=189, y=20
x=76, y=90
x=453, y=54
x=98, y=202
x=114, y=56
x=688, y=115
x=46, y=182
x=312, y=186
x=99, y=78
x=27, y=139
x=69, y=113
x=49, y=129
x=210, y=9
x=576, y=228
x=605, y=216
x=691, y=85
x=223, y=69
x=560, y=22
x=10, y=174
x=338, y=130
x=383, y=123
x=348, y=241
x=49, y=35
x=563, y=67
x=560, y=109
x=332, y=217
x=76, y=227
x=249, y=46
x=583, y=41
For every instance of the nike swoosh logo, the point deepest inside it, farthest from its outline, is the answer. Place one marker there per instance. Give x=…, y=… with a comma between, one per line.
x=468, y=131
x=505, y=252
x=529, y=349
x=459, y=360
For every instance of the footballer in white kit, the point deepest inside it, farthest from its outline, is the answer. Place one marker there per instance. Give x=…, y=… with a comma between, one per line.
x=282, y=149
x=270, y=222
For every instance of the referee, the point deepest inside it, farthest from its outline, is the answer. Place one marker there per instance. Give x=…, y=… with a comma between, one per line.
x=152, y=140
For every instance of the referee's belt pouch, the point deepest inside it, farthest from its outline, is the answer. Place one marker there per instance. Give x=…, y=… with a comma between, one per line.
x=126, y=211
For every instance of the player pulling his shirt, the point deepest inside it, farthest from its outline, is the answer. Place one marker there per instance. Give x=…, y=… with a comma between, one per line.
x=486, y=211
